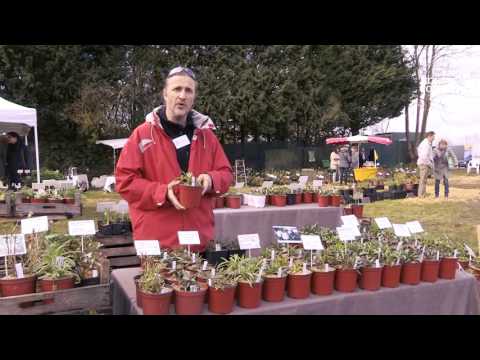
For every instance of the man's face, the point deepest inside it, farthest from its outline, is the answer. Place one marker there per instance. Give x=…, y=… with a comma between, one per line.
x=179, y=96
x=11, y=139
x=431, y=138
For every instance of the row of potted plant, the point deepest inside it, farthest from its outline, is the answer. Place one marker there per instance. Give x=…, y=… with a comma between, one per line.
x=57, y=196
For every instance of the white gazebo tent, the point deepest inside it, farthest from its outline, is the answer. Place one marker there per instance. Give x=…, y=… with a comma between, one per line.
x=114, y=144
x=20, y=119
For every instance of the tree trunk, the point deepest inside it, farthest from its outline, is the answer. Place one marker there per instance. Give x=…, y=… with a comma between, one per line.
x=428, y=89
x=419, y=97
x=410, y=148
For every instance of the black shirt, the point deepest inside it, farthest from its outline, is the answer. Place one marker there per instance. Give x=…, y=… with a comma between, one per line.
x=174, y=130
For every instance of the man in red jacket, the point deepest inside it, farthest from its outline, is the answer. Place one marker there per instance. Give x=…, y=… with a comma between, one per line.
x=173, y=139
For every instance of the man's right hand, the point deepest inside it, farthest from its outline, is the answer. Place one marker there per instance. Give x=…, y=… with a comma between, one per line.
x=171, y=196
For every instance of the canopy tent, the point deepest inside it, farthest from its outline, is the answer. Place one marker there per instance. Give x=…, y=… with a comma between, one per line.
x=359, y=139
x=20, y=119
x=114, y=144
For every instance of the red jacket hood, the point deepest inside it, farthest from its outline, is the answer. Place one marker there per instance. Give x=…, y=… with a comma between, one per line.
x=200, y=121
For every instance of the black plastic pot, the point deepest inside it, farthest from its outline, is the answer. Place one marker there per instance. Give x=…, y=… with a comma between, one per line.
x=238, y=252
x=216, y=257
x=90, y=281
x=380, y=196
x=380, y=187
x=387, y=195
x=127, y=226
x=291, y=199
x=118, y=229
x=105, y=229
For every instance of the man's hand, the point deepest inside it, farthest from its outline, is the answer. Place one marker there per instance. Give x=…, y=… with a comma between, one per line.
x=171, y=196
x=206, y=182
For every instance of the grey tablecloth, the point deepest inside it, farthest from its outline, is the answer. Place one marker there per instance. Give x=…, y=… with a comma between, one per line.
x=445, y=297
x=247, y=220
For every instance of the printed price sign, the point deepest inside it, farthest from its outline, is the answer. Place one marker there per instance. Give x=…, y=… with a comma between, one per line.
x=249, y=241
x=287, y=234
x=35, y=224
x=401, y=230
x=12, y=245
x=312, y=242
x=147, y=247
x=350, y=220
x=414, y=227
x=383, y=223
x=81, y=227
x=188, y=238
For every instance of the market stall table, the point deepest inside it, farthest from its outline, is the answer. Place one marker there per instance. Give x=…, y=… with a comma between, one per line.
x=444, y=297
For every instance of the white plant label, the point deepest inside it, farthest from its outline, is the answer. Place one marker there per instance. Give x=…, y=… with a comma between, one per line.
x=81, y=227
x=312, y=242
x=383, y=223
x=377, y=263
x=12, y=245
x=218, y=247
x=317, y=183
x=326, y=267
x=304, y=267
x=59, y=261
x=193, y=257
x=35, y=224
x=174, y=265
x=210, y=282
x=205, y=263
x=414, y=227
x=347, y=234
x=438, y=255
x=272, y=257
x=94, y=273
x=188, y=238
x=290, y=263
x=399, y=245
x=249, y=241
x=212, y=273
x=165, y=256
x=147, y=247
x=279, y=272
x=469, y=250
x=19, y=270
x=303, y=179
x=350, y=221
x=455, y=253
x=401, y=230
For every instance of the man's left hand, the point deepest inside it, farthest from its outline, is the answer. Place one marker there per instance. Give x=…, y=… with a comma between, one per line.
x=206, y=182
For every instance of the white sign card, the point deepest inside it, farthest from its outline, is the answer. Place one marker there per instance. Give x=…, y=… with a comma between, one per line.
x=81, y=227
x=401, y=230
x=350, y=220
x=107, y=205
x=249, y=241
x=35, y=224
x=147, y=247
x=303, y=179
x=188, y=238
x=383, y=223
x=347, y=233
x=414, y=227
x=312, y=242
x=12, y=245
x=19, y=270
x=317, y=183
x=287, y=234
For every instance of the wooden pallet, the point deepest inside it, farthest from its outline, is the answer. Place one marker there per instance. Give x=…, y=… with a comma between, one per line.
x=70, y=210
x=119, y=250
x=6, y=208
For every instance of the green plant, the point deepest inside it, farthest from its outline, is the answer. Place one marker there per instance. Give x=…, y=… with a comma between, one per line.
x=391, y=256
x=279, y=190
x=27, y=192
x=151, y=281
x=297, y=267
x=69, y=193
x=242, y=268
x=187, y=282
x=279, y=263
x=40, y=195
x=188, y=179
x=57, y=262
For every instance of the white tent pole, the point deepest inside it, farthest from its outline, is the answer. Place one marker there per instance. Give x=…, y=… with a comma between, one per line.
x=114, y=161
x=26, y=140
x=37, y=155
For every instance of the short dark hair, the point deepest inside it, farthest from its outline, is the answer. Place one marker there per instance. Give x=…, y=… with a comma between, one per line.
x=430, y=133
x=13, y=134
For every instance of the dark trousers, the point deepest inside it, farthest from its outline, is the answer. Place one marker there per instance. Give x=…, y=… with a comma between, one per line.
x=437, y=186
x=343, y=175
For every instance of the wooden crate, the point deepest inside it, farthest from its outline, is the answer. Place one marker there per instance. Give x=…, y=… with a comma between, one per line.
x=69, y=210
x=119, y=250
x=6, y=208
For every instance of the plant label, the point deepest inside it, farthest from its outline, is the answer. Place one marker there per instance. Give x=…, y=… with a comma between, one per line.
x=347, y=233
x=12, y=245
x=249, y=241
x=181, y=141
x=272, y=258
x=350, y=221
x=287, y=235
x=94, y=273
x=218, y=247
x=326, y=267
x=470, y=251
x=59, y=261
x=317, y=183
x=107, y=205
x=455, y=253
x=290, y=263
x=356, y=263
x=383, y=223
x=165, y=256
x=210, y=282
x=399, y=245
x=188, y=238
x=438, y=255
x=19, y=270
x=81, y=227
x=212, y=273
x=193, y=257
x=304, y=267
x=401, y=230
x=414, y=227
x=279, y=272
x=35, y=224
x=174, y=265
x=205, y=264
x=377, y=263
x=312, y=242
x=147, y=247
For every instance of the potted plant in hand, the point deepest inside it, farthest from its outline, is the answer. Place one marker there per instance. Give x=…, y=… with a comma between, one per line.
x=189, y=191
x=233, y=199
x=189, y=295
x=221, y=293
x=153, y=292
x=392, y=267
x=299, y=280
x=275, y=279
x=411, y=268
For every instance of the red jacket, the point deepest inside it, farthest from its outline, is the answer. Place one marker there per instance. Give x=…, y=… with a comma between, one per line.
x=148, y=162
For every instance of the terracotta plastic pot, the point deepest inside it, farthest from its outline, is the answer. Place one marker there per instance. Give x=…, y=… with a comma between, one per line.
x=190, y=303
x=371, y=278
x=299, y=285
x=279, y=200
x=323, y=201
x=336, y=200
x=57, y=284
x=357, y=210
x=347, y=211
x=465, y=264
x=411, y=273
x=26, y=200
x=448, y=267
x=430, y=270
x=69, y=201
x=39, y=201
x=219, y=202
x=298, y=199
x=307, y=197
x=391, y=276
x=249, y=297
x=233, y=201
x=189, y=196
x=155, y=304
x=274, y=288
x=221, y=301
x=346, y=280
x=14, y=287
x=315, y=197
x=55, y=201
x=203, y=280
x=322, y=282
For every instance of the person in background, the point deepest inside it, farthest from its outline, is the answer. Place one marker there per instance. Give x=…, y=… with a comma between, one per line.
x=363, y=157
x=444, y=159
x=355, y=158
x=3, y=158
x=17, y=159
x=334, y=163
x=344, y=164
x=425, y=162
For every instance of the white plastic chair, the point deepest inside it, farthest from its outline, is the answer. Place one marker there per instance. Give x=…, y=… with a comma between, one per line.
x=474, y=164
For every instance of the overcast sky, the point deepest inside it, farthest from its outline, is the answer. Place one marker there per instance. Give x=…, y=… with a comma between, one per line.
x=455, y=110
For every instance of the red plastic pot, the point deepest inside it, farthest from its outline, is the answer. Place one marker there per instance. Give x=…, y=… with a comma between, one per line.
x=279, y=200
x=203, y=280
x=323, y=201
x=315, y=197
x=55, y=201
x=307, y=197
x=448, y=268
x=219, y=202
x=299, y=285
x=411, y=273
x=465, y=264
x=430, y=270
x=155, y=304
x=233, y=201
x=39, y=201
x=371, y=278
x=190, y=303
x=57, y=284
x=347, y=211
x=221, y=301
x=335, y=200
x=249, y=297
x=346, y=280
x=268, y=200
x=322, y=282
x=69, y=201
x=189, y=196
x=22, y=286
x=391, y=276
x=357, y=210
x=298, y=198
x=274, y=288
x=26, y=200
